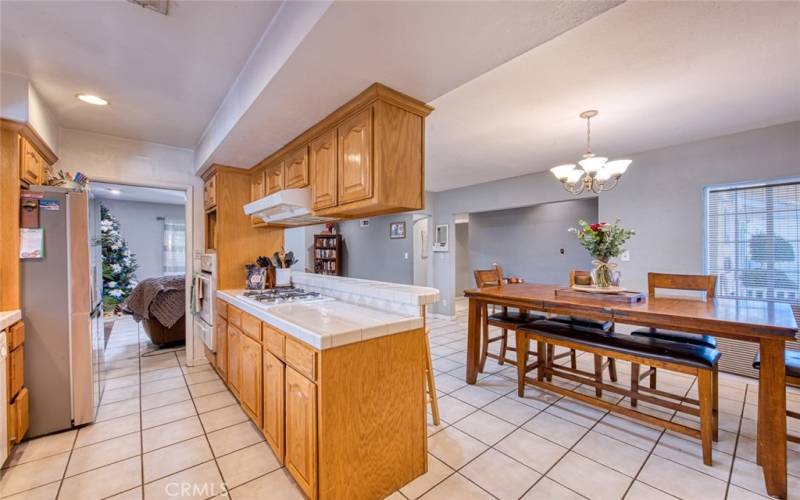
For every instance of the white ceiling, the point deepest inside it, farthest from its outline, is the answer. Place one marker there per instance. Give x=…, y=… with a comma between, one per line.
x=165, y=76
x=424, y=49
x=124, y=192
x=661, y=73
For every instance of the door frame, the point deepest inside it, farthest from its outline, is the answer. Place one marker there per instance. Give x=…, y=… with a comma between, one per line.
x=188, y=190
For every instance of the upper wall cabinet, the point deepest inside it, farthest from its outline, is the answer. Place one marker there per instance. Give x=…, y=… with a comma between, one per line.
x=355, y=157
x=257, y=192
x=295, y=169
x=364, y=159
x=31, y=163
x=274, y=178
x=210, y=192
x=322, y=164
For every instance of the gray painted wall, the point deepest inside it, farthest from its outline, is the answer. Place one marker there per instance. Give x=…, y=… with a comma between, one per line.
x=464, y=276
x=144, y=233
x=661, y=197
x=370, y=254
x=527, y=241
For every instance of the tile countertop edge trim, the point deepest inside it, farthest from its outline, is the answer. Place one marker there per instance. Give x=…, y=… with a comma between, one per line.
x=319, y=342
x=8, y=318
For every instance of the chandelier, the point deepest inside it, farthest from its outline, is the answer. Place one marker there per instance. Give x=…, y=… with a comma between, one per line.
x=596, y=173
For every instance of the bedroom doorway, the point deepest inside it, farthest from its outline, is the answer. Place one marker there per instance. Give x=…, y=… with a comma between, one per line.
x=139, y=260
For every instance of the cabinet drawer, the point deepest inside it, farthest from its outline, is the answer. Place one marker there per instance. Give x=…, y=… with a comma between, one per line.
x=18, y=420
x=302, y=358
x=274, y=340
x=16, y=371
x=16, y=335
x=251, y=326
x=221, y=308
x=234, y=317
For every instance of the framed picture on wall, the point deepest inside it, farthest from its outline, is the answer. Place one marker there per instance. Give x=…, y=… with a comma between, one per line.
x=397, y=230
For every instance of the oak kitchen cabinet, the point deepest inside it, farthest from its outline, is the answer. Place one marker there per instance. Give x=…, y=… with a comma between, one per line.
x=311, y=419
x=210, y=192
x=274, y=177
x=364, y=159
x=322, y=167
x=17, y=394
x=31, y=164
x=257, y=191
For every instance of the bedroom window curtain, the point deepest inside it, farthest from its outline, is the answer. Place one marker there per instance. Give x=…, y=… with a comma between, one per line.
x=174, y=260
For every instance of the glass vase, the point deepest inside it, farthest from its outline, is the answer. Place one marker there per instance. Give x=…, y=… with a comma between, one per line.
x=602, y=276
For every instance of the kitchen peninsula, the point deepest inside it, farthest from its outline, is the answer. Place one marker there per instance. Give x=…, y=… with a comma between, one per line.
x=333, y=373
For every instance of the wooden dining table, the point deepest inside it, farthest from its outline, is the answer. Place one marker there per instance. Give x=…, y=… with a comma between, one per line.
x=770, y=324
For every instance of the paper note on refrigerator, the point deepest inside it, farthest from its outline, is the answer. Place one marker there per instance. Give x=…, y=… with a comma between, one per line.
x=31, y=243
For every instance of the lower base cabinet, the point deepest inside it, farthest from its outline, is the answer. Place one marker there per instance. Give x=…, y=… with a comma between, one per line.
x=330, y=416
x=251, y=380
x=301, y=431
x=17, y=394
x=221, y=343
x=273, y=413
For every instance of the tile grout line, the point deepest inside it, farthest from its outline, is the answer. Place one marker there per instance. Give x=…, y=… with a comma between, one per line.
x=736, y=445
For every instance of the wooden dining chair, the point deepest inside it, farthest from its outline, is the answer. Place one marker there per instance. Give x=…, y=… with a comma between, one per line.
x=505, y=320
x=684, y=282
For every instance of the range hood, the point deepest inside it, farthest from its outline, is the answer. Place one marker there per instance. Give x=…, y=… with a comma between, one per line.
x=286, y=208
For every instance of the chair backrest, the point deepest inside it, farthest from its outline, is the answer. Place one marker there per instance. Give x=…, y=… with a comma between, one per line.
x=696, y=282
x=581, y=276
x=488, y=277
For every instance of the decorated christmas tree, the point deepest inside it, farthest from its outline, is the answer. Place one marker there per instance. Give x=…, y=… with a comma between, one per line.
x=119, y=264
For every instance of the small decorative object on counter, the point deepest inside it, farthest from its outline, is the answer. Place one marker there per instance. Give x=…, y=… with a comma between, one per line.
x=256, y=277
x=603, y=241
x=67, y=180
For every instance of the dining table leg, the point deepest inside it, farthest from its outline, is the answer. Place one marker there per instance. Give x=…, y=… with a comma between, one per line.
x=771, y=445
x=473, y=340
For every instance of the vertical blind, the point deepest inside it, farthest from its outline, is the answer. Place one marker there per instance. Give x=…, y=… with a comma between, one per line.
x=753, y=246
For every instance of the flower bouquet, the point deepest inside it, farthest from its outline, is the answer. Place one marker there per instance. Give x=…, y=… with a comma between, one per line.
x=603, y=241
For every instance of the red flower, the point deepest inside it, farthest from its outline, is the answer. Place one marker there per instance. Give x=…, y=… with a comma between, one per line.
x=594, y=227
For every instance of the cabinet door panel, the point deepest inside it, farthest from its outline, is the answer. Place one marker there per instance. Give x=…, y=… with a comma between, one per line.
x=210, y=192
x=355, y=158
x=250, y=388
x=234, y=350
x=221, y=331
x=256, y=192
x=273, y=403
x=322, y=163
x=301, y=430
x=274, y=178
x=295, y=169
x=16, y=371
x=31, y=163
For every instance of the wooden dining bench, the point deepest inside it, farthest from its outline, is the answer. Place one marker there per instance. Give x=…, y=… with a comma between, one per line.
x=693, y=360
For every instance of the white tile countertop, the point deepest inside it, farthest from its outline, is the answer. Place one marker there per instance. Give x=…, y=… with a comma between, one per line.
x=8, y=318
x=326, y=322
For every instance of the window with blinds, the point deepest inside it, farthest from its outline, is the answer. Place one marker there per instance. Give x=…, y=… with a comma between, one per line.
x=753, y=241
x=752, y=246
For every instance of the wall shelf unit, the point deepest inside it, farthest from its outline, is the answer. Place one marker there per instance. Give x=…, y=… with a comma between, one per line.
x=328, y=254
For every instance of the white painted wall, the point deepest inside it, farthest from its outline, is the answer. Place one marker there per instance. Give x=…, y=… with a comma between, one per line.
x=42, y=120
x=661, y=197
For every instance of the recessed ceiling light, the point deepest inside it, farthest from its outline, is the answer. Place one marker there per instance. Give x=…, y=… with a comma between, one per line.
x=92, y=99
x=114, y=191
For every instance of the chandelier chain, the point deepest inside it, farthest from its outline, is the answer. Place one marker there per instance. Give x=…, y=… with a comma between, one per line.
x=589, y=136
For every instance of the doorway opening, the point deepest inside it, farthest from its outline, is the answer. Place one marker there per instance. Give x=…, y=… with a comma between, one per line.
x=139, y=259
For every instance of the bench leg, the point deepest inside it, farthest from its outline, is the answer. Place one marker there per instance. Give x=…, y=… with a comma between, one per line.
x=634, y=382
x=573, y=359
x=484, y=337
x=653, y=377
x=715, y=381
x=598, y=374
x=705, y=382
x=503, y=346
x=541, y=360
x=549, y=359
x=612, y=369
x=522, y=362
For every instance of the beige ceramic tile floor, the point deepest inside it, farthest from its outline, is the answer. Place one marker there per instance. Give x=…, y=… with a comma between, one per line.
x=165, y=430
